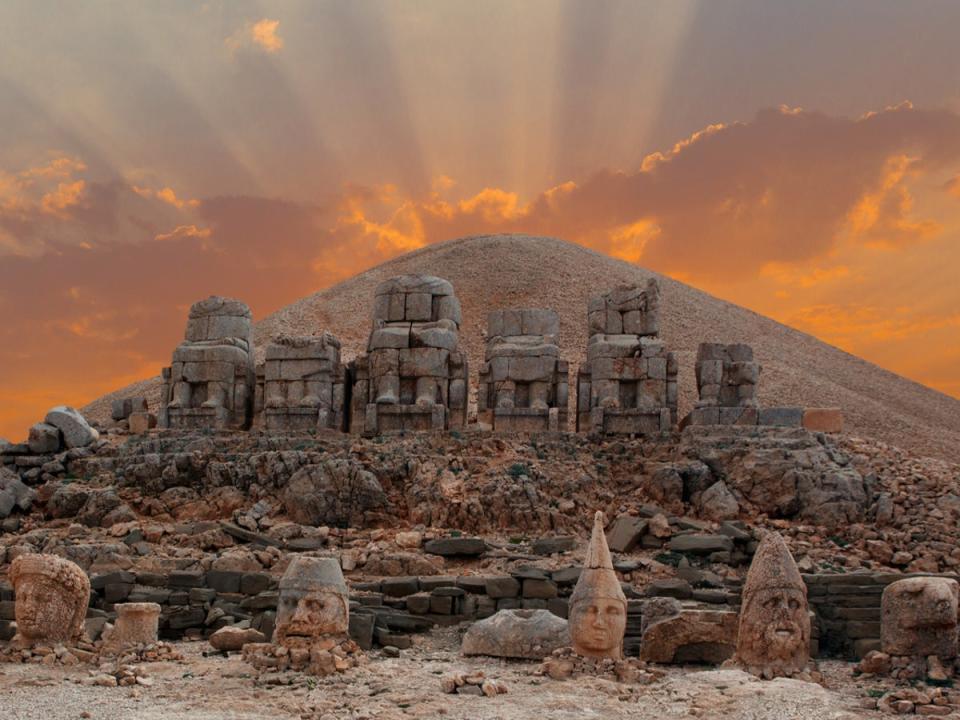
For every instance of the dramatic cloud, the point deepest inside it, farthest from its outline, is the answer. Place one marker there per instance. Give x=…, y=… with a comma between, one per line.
x=823, y=222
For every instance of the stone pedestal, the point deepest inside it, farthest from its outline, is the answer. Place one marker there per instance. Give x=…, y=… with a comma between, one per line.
x=136, y=625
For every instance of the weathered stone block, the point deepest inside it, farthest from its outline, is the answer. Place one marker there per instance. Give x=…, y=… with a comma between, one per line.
x=828, y=420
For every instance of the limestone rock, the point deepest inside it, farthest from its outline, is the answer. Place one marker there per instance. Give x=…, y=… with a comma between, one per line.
x=690, y=636
x=14, y=493
x=531, y=634
x=43, y=439
x=76, y=431
x=718, y=503
x=136, y=624
x=337, y=493
x=919, y=617
x=232, y=639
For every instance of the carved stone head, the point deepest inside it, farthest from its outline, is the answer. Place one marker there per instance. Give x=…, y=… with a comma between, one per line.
x=919, y=617
x=313, y=601
x=598, y=607
x=51, y=599
x=774, y=633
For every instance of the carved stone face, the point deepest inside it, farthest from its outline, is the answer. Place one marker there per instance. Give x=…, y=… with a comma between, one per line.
x=597, y=626
x=45, y=609
x=777, y=619
x=311, y=614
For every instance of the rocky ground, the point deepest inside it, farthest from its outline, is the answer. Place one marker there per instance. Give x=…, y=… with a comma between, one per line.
x=409, y=686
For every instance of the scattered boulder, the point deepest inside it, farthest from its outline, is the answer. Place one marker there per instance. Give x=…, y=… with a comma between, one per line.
x=718, y=503
x=14, y=493
x=531, y=634
x=76, y=430
x=337, y=493
x=232, y=638
x=43, y=439
x=456, y=546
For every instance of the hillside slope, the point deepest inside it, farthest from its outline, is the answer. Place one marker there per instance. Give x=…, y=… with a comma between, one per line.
x=491, y=272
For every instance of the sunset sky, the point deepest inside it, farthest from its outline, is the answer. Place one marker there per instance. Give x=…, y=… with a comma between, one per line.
x=799, y=158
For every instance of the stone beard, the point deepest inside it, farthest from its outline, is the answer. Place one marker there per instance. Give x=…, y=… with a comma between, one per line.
x=597, y=626
x=51, y=599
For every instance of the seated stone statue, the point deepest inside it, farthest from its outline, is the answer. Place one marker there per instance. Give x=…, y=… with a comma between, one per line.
x=210, y=382
x=413, y=376
x=52, y=595
x=598, y=607
x=302, y=384
x=524, y=384
x=919, y=617
x=629, y=381
x=773, y=639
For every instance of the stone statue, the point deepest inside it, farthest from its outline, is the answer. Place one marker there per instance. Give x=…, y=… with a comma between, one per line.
x=524, y=384
x=52, y=595
x=300, y=385
x=773, y=638
x=919, y=617
x=629, y=381
x=413, y=375
x=313, y=602
x=598, y=607
x=211, y=380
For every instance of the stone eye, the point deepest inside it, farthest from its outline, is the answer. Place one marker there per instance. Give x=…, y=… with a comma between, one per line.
x=794, y=604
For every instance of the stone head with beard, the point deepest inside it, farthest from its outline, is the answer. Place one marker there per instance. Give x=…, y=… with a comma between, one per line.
x=774, y=634
x=313, y=602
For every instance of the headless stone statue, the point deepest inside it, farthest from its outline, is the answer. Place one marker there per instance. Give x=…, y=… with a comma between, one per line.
x=598, y=607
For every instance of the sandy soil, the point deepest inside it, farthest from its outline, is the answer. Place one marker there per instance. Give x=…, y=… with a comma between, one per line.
x=520, y=271
x=219, y=688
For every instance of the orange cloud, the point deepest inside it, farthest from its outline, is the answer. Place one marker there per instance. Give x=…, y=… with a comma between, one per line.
x=184, y=231
x=261, y=35
x=65, y=196
x=953, y=186
x=166, y=195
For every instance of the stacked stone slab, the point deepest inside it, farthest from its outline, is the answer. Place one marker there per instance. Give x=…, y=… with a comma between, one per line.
x=413, y=376
x=629, y=382
x=210, y=383
x=727, y=381
x=524, y=384
x=301, y=384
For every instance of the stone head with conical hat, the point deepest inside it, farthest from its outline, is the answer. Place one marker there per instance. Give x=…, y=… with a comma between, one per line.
x=774, y=634
x=598, y=607
x=313, y=601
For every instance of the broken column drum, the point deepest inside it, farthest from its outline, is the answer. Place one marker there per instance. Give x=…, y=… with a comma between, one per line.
x=413, y=376
x=524, y=385
x=210, y=382
x=301, y=384
x=629, y=381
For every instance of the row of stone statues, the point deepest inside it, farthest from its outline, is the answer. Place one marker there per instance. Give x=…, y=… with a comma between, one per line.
x=919, y=614
x=414, y=374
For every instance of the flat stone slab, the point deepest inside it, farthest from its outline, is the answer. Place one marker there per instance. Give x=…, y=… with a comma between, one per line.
x=456, y=546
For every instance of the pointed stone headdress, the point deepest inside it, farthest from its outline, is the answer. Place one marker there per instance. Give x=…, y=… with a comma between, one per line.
x=598, y=578
x=773, y=567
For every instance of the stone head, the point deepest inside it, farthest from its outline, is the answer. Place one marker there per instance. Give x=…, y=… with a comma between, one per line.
x=598, y=607
x=919, y=617
x=313, y=600
x=774, y=631
x=51, y=598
